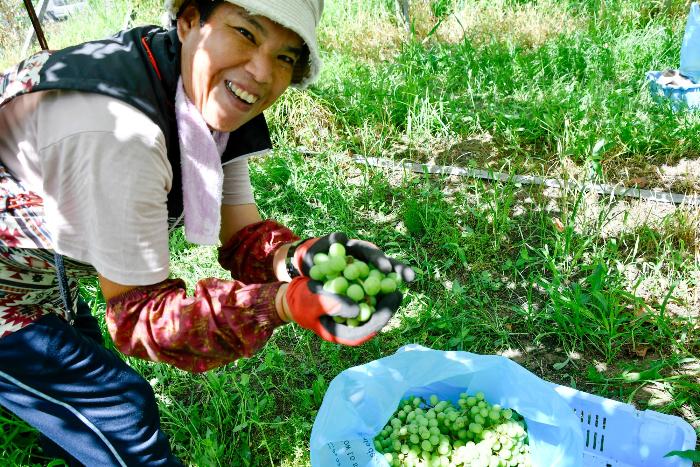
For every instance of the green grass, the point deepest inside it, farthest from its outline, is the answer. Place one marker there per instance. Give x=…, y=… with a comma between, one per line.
x=583, y=290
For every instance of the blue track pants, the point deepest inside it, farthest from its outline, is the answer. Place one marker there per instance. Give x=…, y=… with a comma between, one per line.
x=81, y=396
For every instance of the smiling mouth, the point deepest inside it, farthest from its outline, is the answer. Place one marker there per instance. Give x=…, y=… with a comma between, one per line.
x=241, y=94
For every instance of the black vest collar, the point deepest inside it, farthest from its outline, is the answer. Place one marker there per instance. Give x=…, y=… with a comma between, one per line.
x=141, y=67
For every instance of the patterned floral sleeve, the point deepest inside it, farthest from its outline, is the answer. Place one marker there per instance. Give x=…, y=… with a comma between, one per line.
x=249, y=253
x=223, y=321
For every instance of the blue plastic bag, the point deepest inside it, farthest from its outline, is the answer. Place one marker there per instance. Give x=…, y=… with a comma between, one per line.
x=361, y=400
x=690, y=49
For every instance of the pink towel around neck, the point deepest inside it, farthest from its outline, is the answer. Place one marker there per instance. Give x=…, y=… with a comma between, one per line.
x=202, y=174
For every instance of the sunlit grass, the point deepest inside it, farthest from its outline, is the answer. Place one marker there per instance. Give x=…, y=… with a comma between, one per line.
x=608, y=285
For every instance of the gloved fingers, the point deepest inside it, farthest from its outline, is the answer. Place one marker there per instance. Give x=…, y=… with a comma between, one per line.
x=369, y=253
x=353, y=336
x=304, y=254
x=390, y=302
x=405, y=272
x=334, y=304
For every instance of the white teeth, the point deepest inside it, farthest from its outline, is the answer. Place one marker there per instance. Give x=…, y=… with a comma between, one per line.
x=249, y=98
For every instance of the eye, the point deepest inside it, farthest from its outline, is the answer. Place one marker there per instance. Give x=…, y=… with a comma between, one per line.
x=247, y=34
x=287, y=59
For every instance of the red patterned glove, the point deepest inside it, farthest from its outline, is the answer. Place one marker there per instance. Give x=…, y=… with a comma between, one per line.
x=313, y=308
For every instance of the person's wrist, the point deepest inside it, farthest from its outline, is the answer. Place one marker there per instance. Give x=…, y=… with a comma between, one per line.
x=291, y=268
x=279, y=263
x=281, y=304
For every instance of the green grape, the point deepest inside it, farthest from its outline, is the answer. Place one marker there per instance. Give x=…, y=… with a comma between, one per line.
x=475, y=428
x=423, y=436
x=507, y=414
x=320, y=258
x=316, y=273
x=355, y=292
x=365, y=312
x=336, y=264
x=376, y=273
x=339, y=285
x=323, y=269
x=372, y=286
x=352, y=322
x=339, y=319
x=363, y=268
x=351, y=272
x=337, y=249
x=387, y=285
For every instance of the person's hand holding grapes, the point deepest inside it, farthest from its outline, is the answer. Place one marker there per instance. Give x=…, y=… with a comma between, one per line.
x=344, y=290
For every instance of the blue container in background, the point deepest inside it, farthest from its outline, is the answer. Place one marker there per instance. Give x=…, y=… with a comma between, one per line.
x=566, y=427
x=681, y=98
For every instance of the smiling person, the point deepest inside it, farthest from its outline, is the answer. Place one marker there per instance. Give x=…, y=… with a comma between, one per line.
x=105, y=148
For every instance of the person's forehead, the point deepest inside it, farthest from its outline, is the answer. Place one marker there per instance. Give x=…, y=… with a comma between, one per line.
x=264, y=24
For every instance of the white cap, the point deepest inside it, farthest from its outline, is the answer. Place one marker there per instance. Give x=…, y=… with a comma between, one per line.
x=300, y=16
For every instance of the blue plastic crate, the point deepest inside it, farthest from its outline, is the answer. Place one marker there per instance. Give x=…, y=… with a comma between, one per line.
x=618, y=435
x=680, y=97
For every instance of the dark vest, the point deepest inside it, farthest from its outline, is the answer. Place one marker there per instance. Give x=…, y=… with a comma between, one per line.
x=139, y=66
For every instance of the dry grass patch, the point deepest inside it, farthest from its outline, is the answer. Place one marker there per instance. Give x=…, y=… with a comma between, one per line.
x=303, y=120
x=378, y=34
x=483, y=21
x=370, y=35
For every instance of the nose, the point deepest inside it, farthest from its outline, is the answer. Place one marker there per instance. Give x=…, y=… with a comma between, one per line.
x=261, y=66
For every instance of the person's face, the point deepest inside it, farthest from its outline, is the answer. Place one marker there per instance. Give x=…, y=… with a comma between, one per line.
x=235, y=65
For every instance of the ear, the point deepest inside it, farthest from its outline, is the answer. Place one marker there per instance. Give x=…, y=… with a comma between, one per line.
x=187, y=21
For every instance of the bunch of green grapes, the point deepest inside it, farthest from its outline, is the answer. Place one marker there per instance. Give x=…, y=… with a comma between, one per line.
x=438, y=434
x=344, y=275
